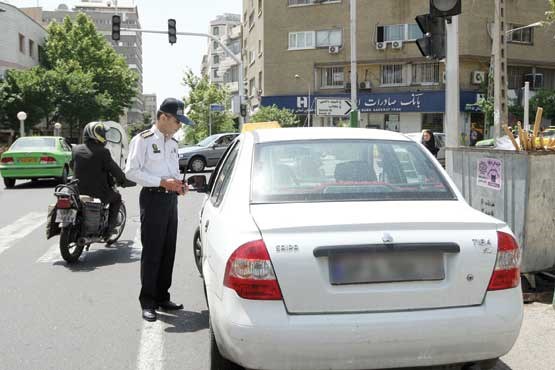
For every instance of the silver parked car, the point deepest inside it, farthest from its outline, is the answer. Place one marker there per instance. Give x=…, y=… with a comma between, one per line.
x=206, y=153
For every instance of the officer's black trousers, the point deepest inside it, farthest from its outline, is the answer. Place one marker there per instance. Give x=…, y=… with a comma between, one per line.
x=158, y=236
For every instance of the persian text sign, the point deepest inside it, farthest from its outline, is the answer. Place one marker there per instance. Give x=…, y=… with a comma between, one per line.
x=490, y=173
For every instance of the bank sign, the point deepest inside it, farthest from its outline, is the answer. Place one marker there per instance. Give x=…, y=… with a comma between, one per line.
x=424, y=101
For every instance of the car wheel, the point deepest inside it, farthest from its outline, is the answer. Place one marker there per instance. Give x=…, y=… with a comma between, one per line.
x=488, y=364
x=63, y=179
x=197, y=250
x=217, y=361
x=9, y=183
x=197, y=164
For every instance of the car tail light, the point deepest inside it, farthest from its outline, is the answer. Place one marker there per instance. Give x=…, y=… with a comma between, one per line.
x=47, y=160
x=63, y=203
x=507, y=267
x=7, y=160
x=250, y=273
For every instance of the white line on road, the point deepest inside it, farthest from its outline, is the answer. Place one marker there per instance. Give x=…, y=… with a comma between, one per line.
x=19, y=229
x=51, y=255
x=151, y=349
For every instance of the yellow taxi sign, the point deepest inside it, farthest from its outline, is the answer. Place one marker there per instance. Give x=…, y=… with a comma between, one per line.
x=260, y=125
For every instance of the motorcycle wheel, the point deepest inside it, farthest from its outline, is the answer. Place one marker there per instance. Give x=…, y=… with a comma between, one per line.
x=69, y=248
x=122, y=218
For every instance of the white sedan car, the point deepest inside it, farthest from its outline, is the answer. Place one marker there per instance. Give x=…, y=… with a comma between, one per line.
x=323, y=249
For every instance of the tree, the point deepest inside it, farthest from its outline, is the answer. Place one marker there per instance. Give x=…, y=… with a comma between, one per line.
x=201, y=95
x=285, y=117
x=546, y=100
x=551, y=14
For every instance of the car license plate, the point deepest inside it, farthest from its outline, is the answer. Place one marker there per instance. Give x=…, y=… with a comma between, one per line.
x=27, y=160
x=390, y=267
x=66, y=215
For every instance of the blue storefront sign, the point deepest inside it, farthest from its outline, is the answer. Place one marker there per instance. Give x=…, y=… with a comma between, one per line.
x=420, y=101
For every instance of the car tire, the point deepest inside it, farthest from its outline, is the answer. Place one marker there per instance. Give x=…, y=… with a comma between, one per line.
x=197, y=250
x=488, y=364
x=9, y=183
x=217, y=361
x=65, y=174
x=197, y=164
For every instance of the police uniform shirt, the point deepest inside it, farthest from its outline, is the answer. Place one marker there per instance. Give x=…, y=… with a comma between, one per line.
x=152, y=158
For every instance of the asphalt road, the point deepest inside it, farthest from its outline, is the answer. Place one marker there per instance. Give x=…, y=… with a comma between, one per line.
x=87, y=316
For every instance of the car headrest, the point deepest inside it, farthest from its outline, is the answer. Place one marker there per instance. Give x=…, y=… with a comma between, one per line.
x=354, y=171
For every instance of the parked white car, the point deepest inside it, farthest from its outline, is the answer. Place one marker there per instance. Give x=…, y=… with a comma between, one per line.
x=321, y=249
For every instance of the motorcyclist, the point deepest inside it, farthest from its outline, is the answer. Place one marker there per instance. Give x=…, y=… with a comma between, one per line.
x=96, y=171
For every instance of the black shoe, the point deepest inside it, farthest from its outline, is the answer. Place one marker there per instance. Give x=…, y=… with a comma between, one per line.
x=149, y=314
x=169, y=305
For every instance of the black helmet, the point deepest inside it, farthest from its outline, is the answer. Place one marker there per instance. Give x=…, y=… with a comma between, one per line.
x=95, y=131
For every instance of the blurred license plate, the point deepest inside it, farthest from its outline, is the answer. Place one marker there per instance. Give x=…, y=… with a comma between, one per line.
x=385, y=267
x=27, y=160
x=66, y=215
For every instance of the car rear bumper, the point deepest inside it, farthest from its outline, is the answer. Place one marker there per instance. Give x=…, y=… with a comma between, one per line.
x=30, y=172
x=261, y=335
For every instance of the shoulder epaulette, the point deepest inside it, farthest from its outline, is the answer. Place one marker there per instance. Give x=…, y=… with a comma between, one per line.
x=146, y=134
x=174, y=139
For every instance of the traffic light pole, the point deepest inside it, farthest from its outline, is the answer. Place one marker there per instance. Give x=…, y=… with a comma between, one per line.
x=226, y=49
x=452, y=93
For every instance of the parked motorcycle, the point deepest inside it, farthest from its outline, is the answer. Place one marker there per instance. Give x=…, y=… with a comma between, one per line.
x=81, y=220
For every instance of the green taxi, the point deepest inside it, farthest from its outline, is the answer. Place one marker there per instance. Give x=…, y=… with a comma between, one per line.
x=36, y=157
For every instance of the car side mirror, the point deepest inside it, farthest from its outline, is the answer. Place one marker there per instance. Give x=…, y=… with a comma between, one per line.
x=198, y=183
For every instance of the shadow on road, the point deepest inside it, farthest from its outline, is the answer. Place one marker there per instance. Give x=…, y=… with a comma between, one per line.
x=184, y=321
x=35, y=184
x=500, y=366
x=120, y=252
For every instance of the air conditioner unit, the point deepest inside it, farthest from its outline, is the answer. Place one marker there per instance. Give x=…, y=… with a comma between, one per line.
x=365, y=85
x=397, y=44
x=381, y=45
x=333, y=49
x=478, y=77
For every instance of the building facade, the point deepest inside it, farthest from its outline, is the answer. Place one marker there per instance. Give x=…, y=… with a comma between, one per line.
x=151, y=105
x=398, y=89
x=221, y=68
x=130, y=45
x=21, y=38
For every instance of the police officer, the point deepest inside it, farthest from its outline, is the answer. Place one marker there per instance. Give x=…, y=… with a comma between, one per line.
x=153, y=162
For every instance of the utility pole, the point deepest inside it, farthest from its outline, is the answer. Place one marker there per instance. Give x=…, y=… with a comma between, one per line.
x=452, y=93
x=500, y=107
x=354, y=86
x=527, y=106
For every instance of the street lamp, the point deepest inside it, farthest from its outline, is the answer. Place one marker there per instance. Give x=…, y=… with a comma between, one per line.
x=22, y=116
x=297, y=77
x=57, y=129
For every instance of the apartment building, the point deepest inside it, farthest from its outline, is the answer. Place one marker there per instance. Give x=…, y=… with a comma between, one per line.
x=20, y=39
x=398, y=89
x=151, y=105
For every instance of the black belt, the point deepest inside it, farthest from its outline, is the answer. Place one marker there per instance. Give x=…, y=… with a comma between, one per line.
x=158, y=189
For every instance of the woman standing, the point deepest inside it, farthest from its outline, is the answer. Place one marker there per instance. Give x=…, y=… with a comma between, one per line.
x=429, y=141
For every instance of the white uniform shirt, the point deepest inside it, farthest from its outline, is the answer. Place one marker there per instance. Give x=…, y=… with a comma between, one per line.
x=152, y=158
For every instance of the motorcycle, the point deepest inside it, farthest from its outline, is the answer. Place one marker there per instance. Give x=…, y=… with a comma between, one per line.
x=82, y=220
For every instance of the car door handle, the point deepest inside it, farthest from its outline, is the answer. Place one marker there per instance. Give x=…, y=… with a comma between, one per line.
x=206, y=224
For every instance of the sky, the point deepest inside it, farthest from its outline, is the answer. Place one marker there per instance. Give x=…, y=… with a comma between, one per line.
x=164, y=64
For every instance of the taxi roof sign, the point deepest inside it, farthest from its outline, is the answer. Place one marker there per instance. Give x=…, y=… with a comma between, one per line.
x=260, y=125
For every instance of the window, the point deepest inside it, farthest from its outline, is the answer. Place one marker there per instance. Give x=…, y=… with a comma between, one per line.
x=301, y=40
x=524, y=36
x=222, y=180
x=215, y=73
x=216, y=31
x=329, y=38
x=216, y=59
x=251, y=20
x=232, y=74
x=393, y=75
x=398, y=32
x=22, y=43
x=259, y=47
x=252, y=86
x=260, y=83
x=345, y=170
x=215, y=45
x=31, y=48
x=425, y=73
x=259, y=7
x=332, y=77
x=433, y=121
x=251, y=57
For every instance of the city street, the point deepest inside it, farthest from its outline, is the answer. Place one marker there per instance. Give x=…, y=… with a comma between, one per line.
x=87, y=316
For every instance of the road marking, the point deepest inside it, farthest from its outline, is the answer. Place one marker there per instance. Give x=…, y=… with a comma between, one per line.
x=19, y=229
x=151, y=349
x=51, y=255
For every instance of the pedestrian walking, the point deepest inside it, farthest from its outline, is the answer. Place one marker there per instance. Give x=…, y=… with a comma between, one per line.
x=429, y=141
x=154, y=163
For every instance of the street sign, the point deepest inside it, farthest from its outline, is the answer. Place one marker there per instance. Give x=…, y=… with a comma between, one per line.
x=333, y=107
x=217, y=108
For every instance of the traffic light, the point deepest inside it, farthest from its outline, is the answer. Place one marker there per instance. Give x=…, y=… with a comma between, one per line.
x=172, y=32
x=445, y=8
x=243, y=109
x=116, y=27
x=433, y=44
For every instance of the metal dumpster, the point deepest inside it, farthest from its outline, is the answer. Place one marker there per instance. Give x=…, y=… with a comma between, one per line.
x=516, y=187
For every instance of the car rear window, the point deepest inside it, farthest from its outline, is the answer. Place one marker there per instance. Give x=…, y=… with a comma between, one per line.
x=345, y=170
x=33, y=143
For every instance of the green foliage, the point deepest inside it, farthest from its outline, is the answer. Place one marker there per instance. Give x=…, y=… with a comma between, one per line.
x=202, y=93
x=546, y=100
x=551, y=14
x=518, y=112
x=285, y=117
